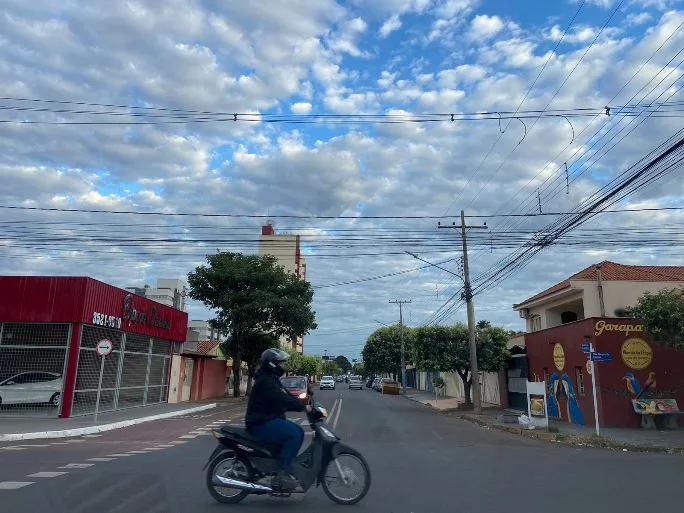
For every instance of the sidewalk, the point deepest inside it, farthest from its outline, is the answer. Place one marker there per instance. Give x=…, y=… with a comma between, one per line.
x=29, y=428
x=444, y=403
x=495, y=417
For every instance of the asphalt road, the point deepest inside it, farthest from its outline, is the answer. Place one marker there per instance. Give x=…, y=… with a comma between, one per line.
x=421, y=460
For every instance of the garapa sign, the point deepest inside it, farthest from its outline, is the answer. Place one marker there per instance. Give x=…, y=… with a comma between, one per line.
x=602, y=326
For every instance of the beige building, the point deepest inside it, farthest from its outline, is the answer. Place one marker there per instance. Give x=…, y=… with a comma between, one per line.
x=287, y=249
x=601, y=290
x=169, y=291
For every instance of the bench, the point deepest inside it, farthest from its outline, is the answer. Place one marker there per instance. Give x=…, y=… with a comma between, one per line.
x=657, y=413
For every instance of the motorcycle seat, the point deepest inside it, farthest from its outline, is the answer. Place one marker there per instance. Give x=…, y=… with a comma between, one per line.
x=244, y=435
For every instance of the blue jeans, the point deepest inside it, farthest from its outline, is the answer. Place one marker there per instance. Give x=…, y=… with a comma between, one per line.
x=282, y=433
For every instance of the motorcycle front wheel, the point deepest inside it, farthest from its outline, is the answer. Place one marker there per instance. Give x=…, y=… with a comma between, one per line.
x=233, y=466
x=347, y=478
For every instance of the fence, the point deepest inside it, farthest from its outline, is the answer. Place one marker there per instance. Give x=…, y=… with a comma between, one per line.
x=32, y=364
x=135, y=373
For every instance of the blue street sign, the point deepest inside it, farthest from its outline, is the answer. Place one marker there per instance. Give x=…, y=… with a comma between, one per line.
x=585, y=348
x=601, y=357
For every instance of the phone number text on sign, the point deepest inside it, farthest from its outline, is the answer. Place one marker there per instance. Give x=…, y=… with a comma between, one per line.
x=108, y=321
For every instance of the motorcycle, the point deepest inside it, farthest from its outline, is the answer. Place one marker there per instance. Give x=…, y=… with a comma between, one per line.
x=243, y=465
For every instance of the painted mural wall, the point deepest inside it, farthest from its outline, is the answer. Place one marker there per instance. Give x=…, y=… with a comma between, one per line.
x=639, y=370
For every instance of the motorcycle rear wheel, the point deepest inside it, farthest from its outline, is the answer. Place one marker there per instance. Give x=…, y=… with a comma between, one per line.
x=246, y=470
x=366, y=480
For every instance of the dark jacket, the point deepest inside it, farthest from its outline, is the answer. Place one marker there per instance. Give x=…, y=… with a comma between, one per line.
x=269, y=400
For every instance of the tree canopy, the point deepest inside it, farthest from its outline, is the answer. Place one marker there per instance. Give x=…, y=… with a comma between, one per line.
x=446, y=349
x=382, y=351
x=663, y=316
x=343, y=363
x=251, y=295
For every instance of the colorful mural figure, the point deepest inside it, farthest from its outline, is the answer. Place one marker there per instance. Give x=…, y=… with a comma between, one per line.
x=632, y=384
x=551, y=399
x=574, y=412
x=634, y=387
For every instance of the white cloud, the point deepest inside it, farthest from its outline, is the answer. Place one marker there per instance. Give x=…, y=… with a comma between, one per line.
x=390, y=25
x=637, y=18
x=301, y=108
x=484, y=27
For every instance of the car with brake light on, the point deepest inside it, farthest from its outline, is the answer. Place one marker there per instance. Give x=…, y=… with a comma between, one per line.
x=298, y=387
x=355, y=382
x=327, y=382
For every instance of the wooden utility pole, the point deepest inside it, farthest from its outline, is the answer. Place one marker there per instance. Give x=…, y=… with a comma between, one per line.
x=401, y=302
x=468, y=296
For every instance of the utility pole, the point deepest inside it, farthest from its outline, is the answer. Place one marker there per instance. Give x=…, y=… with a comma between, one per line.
x=468, y=296
x=401, y=303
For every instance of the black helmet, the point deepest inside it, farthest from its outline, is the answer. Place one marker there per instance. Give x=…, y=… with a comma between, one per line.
x=272, y=359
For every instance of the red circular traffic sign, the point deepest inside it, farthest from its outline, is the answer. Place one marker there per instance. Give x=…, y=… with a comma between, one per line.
x=104, y=347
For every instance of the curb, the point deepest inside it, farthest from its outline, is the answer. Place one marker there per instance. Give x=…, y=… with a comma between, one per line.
x=63, y=433
x=573, y=440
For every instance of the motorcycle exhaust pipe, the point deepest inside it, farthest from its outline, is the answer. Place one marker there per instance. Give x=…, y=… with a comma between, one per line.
x=242, y=485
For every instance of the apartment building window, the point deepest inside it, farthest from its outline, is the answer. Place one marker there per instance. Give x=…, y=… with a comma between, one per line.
x=579, y=375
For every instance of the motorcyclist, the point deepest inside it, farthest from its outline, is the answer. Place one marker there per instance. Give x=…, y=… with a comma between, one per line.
x=265, y=418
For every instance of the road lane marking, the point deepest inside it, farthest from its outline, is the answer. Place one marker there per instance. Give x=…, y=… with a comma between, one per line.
x=91, y=436
x=118, y=455
x=138, y=452
x=164, y=446
x=331, y=413
x=154, y=448
x=188, y=436
x=17, y=448
x=337, y=417
x=178, y=442
x=14, y=485
x=100, y=459
x=78, y=465
x=47, y=474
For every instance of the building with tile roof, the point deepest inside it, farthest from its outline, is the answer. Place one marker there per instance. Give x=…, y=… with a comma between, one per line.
x=605, y=289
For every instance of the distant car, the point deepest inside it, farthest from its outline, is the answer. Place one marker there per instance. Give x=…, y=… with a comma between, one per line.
x=339, y=379
x=32, y=387
x=297, y=386
x=355, y=382
x=327, y=382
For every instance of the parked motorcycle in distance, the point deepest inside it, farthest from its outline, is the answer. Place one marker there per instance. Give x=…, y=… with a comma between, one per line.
x=242, y=465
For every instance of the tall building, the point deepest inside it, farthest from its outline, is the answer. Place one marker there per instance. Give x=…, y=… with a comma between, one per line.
x=287, y=250
x=169, y=291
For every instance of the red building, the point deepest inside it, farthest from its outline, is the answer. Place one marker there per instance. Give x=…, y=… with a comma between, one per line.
x=49, y=330
x=638, y=365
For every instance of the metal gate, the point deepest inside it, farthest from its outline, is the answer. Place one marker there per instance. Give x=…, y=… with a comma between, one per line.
x=134, y=374
x=32, y=364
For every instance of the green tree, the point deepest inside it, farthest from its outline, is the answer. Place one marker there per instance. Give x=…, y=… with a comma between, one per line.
x=446, y=349
x=251, y=294
x=343, y=363
x=359, y=369
x=330, y=368
x=663, y=316
x=254, y=345
x=382, y=351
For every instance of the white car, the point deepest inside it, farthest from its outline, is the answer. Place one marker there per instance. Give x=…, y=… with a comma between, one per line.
x=327, y=382
x=355, y=382
x=34, y=387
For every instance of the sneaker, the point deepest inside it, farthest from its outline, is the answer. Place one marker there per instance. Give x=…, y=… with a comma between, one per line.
x=285, y=481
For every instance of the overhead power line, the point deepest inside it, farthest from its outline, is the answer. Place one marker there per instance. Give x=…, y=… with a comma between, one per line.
x=309, y=216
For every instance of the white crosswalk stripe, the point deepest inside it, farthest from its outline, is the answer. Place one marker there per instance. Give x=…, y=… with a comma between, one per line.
x=77, y=465
x=118, y=455
x=100, y=459
x=14, y=485
x=47, y=474
x=188, y=436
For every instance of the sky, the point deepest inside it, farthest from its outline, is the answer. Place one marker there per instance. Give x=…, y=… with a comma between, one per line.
x=334, y=120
